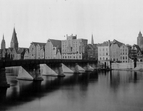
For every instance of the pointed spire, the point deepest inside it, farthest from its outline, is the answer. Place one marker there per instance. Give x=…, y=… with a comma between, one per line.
x=3, y=43
x=14, y=41
x=3, y=36
x=92, y=41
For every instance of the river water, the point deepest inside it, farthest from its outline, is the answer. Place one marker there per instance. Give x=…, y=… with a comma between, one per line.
x=96, y=91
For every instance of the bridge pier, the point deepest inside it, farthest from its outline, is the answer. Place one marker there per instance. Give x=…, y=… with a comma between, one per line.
x=37, y=74
x=60, y=71
x=3, y=81
x=78, y=69
x=30, y=73
x=89, y=68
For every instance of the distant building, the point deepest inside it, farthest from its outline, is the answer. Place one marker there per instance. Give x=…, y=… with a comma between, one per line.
x=26, y=54
x=53, y=49
x=37, y=50
x=124, y=53
x=74, y=48
x=104, y=51
x=136, y=53
x=115, y=50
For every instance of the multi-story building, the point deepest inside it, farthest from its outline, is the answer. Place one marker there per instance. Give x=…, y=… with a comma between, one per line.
x=74, y=48
x=53, y=49
x=136, y=53
x=115, y=51
x=124, y=53
x=37, y=50
x=92, y=51
x=104, y=51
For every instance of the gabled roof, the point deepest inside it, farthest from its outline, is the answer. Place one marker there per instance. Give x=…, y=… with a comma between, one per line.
x=106, y=43
x=56, y=43
x=117, y=42
x=21, y=50
x=14, y=37
x=38, y=43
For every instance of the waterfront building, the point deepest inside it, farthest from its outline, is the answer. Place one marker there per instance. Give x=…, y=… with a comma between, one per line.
x=53, y=49
x=74, y=48
x=115, y=51
x=37, y=50
x=136, y=53
x=124, y=53
x=92, y=52
x=104, y=53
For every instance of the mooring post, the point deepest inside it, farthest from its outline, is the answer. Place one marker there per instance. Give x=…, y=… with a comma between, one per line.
x=3, y=81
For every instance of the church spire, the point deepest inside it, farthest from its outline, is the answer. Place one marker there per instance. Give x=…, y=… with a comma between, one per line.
x=14, y=41
x=140, y=34
x=92, y=41
x=3, y=43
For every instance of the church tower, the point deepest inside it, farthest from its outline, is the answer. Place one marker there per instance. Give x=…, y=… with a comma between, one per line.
x=140, y=39
x=3, y=43
x=92, y=41
x=14, y=41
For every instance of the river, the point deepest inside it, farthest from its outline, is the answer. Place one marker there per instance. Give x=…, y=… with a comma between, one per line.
x=96, y=91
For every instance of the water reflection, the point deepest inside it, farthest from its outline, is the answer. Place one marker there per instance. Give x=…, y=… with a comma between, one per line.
x=115, y=90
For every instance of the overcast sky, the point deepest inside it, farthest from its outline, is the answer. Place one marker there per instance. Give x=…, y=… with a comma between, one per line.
x=40, y=20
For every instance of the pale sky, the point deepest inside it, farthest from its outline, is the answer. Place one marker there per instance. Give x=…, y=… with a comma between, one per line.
x=40, y=20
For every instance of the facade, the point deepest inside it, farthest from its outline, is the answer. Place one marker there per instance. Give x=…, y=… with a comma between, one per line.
x=104, y=51
x=92, y=52
x=26, y=54
x=36, y=50
x=124, y=53
x=115, y=51
x=74, y=48
x=53, y=49
x=136, y=53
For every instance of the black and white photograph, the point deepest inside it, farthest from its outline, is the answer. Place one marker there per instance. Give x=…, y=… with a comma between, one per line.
x=71, y=55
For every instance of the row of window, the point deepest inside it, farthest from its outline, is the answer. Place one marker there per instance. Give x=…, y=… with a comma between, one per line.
x=103, y=49
x=70, y=57
x=103, y=58
x=124, y=57
x=103, y=54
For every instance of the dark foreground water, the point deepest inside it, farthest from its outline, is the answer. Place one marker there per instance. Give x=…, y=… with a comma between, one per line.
x=110, y=91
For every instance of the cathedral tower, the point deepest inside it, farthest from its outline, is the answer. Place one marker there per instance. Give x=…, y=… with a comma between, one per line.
x=92, y=41
x=3, y=43
x=14, y=41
